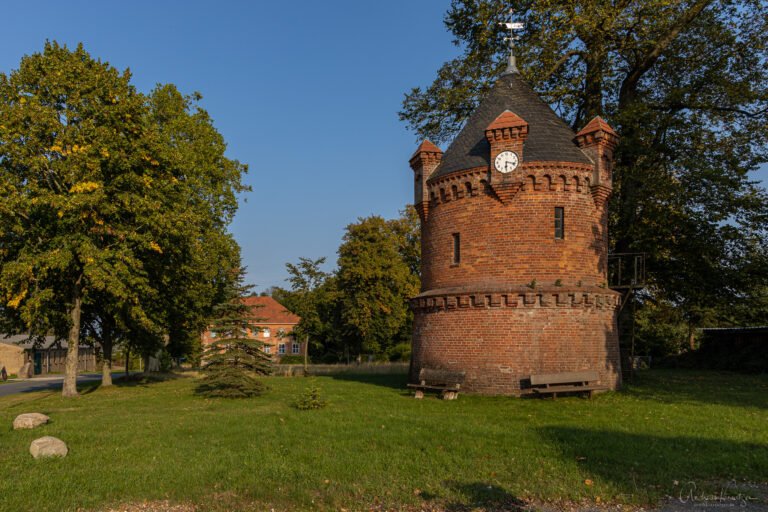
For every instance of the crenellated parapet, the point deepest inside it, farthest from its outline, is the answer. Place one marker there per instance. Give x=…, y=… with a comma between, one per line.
x=529, y=176
x=435, y=301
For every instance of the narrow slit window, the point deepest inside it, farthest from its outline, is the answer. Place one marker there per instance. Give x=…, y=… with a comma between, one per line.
x=456, y=248
x=559, y=223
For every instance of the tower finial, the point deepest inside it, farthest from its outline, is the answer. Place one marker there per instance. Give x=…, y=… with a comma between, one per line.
x=512, y=26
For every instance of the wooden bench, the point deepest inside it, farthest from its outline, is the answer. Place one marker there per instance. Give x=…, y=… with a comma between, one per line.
x=446, y=382
x=568, y=382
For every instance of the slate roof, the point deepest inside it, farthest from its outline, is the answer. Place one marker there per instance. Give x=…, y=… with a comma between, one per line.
x=23, y=341
x=549, y=138
x=267, y=310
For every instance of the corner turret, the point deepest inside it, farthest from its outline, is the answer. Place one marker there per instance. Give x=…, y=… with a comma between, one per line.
x=423, y=162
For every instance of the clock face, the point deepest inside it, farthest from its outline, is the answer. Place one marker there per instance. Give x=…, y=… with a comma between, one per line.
x=507, y=161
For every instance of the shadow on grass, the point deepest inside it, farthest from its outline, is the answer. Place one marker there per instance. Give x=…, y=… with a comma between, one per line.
x=703, y=386
x=393, y=381
x=145, y=379
x=649, y=465
x=476, y=496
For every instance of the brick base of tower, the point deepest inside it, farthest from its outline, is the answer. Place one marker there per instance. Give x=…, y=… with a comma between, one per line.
x=501, y=339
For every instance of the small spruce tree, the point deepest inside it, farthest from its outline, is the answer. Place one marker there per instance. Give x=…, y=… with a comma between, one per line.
x=232, y=362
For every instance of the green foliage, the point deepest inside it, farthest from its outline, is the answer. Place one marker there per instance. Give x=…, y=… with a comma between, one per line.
x=686, y=86
x=115, y=206
x=291, y=359
x=363, y=306
x=400, y=352
x=230, y=382
x=310, y=399
x=234, y=357
x=377, y=275
x=660, y=330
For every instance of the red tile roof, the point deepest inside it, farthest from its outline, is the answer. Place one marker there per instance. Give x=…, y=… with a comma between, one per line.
x=507, y=119
x=598, y=123
x=267, y=310
x=427, y=147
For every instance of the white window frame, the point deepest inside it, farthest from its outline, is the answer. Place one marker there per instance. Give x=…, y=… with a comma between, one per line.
x=281, y=349
x=267, y=349
x=266, y=332
x=296, y=348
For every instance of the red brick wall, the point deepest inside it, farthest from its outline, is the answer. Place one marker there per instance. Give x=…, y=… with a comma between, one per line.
x=499, y=340
x=512, y=241
x=520, y=302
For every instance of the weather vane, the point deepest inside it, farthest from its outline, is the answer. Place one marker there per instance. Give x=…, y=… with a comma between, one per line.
x=512, y=26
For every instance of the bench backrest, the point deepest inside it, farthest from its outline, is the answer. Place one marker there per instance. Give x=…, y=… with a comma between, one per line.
x=563, y=378
x=437, y=377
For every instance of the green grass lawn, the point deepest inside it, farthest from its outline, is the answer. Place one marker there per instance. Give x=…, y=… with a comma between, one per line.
x=374, y=445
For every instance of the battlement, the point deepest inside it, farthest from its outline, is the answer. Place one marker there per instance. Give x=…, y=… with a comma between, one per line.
x=523, y=298
x=531, y=176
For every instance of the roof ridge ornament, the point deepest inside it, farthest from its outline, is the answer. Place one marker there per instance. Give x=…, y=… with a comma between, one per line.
x=512, y=26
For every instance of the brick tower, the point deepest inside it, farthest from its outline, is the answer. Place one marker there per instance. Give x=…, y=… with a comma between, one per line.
x=514, y=246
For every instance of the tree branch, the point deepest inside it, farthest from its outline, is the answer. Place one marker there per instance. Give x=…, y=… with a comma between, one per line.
x=561, y=61
x=690, y=106
x=647, y=61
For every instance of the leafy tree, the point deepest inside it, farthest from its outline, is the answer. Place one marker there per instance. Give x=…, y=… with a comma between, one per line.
x=196, y=264
x=306, y=279
x=234, y=358
x=314, y=297
x=74, y=174
x=118, y=204
x=376, y=281
x=685, y=84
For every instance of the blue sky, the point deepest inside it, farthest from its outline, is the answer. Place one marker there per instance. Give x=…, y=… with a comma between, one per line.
x=305, y=92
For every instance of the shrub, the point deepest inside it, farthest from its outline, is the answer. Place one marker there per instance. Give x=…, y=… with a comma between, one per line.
x=292, y=360
x=310, y=399
x=331, y=358
x=400, y=352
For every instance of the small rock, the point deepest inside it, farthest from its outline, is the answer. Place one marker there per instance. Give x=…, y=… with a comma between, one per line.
x=48, y=447
x=29, y=420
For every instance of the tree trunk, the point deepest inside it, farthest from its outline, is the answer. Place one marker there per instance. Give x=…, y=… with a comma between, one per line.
x=73, y=343
x=106, y=365
x=306, y=353
x=127, y=360
x=691, y=338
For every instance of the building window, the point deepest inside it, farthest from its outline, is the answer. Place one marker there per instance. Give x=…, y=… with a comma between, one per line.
x=281, y=349
x=212, y=334
x=559, y=223
x=267, y=349
x=295, y=348
x=266, y=332
x=281, y=333
x=456, y=248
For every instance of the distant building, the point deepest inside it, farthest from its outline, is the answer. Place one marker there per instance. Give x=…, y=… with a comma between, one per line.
x=26, y=358
x=276, y=326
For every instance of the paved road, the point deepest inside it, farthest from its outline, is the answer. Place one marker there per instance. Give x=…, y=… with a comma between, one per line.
x=46, y=383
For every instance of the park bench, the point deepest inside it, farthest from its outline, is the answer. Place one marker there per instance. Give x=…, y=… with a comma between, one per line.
x=567, y=382
x=446, y=382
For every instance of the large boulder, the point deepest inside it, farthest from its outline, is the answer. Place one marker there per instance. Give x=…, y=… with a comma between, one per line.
x=29, y=420
x=48, y=447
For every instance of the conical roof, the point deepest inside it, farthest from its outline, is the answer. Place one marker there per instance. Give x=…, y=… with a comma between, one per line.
x=549, y=138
